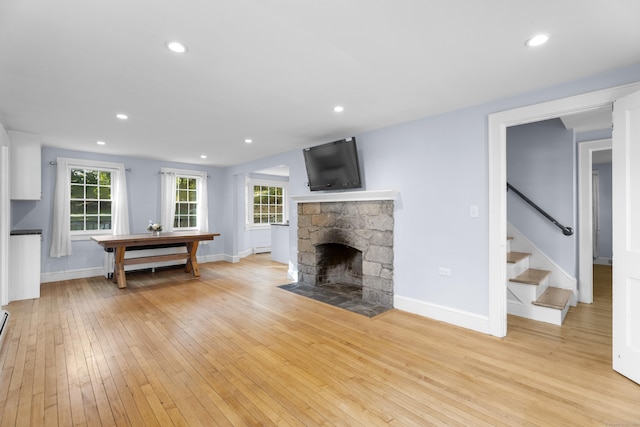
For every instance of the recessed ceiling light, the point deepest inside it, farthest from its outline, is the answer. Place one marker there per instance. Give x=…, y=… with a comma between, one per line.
x=338, y=109
x=122, y=116
x=248, y=141
x=176, y=47
x=101, y=143
x=203, y=156
x=537, y=40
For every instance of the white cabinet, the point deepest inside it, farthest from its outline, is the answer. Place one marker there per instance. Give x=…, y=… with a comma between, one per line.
x=280, y=243
x=24, y=264
x=25, y=152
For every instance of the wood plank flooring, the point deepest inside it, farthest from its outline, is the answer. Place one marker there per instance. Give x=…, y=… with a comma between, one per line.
x=229, y=348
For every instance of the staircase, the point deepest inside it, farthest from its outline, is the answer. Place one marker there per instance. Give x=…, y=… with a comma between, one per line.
x=529, y=291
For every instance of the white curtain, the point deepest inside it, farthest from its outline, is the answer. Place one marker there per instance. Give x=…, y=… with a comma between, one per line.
x=203, y=211
x=120, y=200
x=61, y=233
x=168, y=200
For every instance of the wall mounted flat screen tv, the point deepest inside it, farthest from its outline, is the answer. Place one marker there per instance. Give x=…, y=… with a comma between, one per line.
x=333, y=166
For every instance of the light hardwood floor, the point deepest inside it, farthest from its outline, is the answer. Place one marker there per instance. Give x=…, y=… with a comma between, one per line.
x=230, y=348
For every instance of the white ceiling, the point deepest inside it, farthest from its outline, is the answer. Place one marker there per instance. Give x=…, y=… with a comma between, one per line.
x=273, y=70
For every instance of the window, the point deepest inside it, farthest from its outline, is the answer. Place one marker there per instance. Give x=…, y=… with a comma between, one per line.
x=268, y=205
x=90, y=201
x=90, y=198
x=184, y=200
x=186, y=215
x=266, y=202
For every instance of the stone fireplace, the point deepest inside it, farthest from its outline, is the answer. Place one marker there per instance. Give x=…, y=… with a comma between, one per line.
x=348, y=242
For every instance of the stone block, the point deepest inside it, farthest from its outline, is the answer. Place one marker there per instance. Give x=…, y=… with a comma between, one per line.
x=332, y=207
x=309, y=208
x=381, y=254
x=305, y=258
x=323, y=220
x=382, y=238
x=371, y=268
x=304, y=221
x=379, y=222
x=304, y=245
x=369, y=208
x=303, y=232
x=350, y=222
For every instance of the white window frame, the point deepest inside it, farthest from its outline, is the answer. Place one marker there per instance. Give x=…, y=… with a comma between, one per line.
x=202, y=202
x=99, y=166
x=249, y=184
x=71, y=184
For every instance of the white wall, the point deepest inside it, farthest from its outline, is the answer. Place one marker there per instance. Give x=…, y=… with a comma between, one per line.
x=4, y=216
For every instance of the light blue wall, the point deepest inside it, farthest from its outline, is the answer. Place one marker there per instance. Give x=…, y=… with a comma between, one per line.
x=440, y=167
x=605, y=238
x=438, y=164
x=541, y=163
x=143, y=188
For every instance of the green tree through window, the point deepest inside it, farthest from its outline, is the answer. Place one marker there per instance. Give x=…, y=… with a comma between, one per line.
x=268, y=204
x=186, y=203
x=90, y=200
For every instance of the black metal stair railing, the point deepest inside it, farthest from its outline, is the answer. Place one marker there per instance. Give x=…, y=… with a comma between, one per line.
x=567, y=231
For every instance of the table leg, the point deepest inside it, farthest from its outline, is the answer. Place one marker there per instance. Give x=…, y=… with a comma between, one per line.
x=192, y=261
x=118, y=268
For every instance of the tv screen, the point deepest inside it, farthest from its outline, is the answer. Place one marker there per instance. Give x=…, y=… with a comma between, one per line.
x=333, y=166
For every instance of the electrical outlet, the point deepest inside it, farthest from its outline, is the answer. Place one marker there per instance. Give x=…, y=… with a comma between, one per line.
x=444, y=271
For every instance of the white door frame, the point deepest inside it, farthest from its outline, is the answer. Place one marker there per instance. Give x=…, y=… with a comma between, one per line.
x=585, y=216
x=498, y=123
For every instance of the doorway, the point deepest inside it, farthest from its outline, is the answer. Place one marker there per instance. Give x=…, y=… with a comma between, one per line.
x=498, y=123
x=587, y=151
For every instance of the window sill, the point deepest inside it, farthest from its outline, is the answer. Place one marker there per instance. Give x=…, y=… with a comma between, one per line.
x=80, y=237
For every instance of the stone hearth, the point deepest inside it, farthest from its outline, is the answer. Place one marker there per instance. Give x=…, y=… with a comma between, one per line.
x=348, y=242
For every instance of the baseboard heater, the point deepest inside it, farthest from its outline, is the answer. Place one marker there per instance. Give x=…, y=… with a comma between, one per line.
x=4, y=325
x=144, y=251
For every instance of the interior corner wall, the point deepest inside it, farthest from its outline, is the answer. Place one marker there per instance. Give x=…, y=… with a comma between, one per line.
x=541, y=163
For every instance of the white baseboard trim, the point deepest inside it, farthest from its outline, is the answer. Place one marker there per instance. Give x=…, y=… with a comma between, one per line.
x=450, y=315
x=245, y=253
x=211, y=258
x=57, y=276
x=261, y=249
x=603, y=261
x=82, y=273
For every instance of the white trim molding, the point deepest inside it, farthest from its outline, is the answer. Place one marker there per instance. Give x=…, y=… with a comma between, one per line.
x=585, y=215
x=460, y=318
x=498, y=123
x=348, y=196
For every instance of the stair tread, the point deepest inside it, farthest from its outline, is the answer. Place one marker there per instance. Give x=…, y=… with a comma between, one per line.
x=532, y=276
x=513, y=257
x=554, y=298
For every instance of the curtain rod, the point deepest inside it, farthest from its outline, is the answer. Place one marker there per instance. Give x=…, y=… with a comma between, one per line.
x=173, y=173
x=52, y=163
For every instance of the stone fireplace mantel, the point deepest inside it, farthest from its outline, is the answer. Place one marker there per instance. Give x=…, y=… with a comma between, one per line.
x=347, y=196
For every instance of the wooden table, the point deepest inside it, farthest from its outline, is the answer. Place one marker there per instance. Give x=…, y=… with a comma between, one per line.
x=120, y=243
